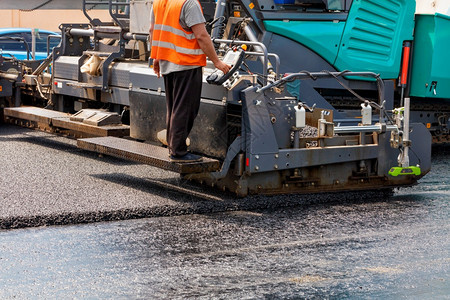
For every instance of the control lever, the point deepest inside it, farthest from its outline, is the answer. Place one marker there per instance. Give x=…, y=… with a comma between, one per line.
x=233, y=57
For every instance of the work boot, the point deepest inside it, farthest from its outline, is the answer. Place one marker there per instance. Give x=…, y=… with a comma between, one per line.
x=187, y=158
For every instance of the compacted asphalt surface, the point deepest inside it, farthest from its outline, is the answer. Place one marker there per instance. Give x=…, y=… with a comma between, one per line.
x=131, y=231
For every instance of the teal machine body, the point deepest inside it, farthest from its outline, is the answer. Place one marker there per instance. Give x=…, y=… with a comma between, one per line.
x=371, y=38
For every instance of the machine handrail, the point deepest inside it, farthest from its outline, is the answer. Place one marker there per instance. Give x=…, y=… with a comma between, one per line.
x=49, y=37
x=263, y=47
x=116, y=15
x=111, y=4
x=315, y=75
x=274, y=55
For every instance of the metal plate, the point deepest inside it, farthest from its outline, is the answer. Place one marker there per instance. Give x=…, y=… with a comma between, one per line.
x=34, y=114
x=145, y=153
x=107, y=130
x=62, y=120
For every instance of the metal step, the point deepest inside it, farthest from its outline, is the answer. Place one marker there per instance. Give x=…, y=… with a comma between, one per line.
x=56, y=119
x=145, y=153
x=34, y=114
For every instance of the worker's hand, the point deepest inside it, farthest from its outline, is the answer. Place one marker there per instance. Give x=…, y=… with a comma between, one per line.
x=156, y=67
x=222, y=66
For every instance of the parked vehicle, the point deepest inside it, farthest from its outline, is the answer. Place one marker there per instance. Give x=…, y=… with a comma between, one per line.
x=17, y=43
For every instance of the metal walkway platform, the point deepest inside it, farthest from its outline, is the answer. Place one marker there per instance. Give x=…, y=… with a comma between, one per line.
x=145, y=153
x=51, y=119
x=34, y=114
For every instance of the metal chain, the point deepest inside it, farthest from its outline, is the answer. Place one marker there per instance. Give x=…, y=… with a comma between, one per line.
x=48, y=1
x=37, y=7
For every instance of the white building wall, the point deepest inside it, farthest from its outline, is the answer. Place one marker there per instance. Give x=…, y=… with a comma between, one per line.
x=47, y=18
x=433, y=6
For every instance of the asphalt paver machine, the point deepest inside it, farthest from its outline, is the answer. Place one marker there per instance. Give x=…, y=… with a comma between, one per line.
x=313, y=102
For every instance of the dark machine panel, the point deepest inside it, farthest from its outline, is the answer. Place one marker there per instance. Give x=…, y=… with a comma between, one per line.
x=208, y=136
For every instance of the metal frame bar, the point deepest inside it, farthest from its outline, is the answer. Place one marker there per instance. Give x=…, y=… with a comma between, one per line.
x=314, y=75
x=111, y=6
x=115, y=16
x=263, y=47
x=277, y=59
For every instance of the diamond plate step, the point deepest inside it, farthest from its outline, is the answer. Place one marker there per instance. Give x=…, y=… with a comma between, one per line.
x=145, y=153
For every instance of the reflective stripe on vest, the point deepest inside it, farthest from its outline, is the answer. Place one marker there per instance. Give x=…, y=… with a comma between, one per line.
x=170, y=41
x=189, y=36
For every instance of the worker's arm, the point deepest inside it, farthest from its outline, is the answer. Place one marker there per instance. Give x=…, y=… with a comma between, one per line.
x=151, y=27
x=150, y=31
x=150, y=35
x=204, y=40
x=155, y=61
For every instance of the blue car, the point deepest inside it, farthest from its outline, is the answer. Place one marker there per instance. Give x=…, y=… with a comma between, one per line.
x=16, y=42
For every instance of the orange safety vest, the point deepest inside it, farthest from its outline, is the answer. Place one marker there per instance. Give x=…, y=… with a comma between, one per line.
x=170, y=41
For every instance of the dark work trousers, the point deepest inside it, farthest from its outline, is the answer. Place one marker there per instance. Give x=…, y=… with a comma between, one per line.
x=183, y=90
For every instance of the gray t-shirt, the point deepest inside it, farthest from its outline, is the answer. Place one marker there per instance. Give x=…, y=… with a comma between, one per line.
x=191, y=14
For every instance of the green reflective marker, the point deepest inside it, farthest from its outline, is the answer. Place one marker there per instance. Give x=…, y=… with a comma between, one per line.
x=396, y=171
